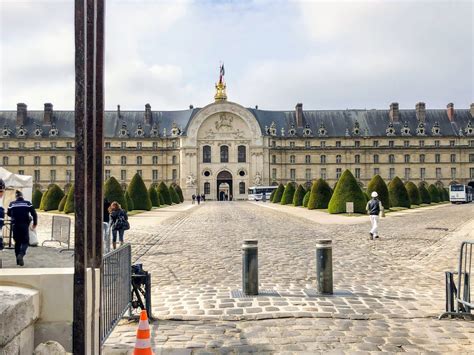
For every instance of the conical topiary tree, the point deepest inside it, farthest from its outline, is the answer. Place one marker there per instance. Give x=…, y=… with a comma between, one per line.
x=278, y=194
x=378, y=185
x=424, y=194
x=130, y=206
x=442, y=196
x=347, y=190
x=174, y=195
x=163, y=190
x=306, y=198
x=54, y=197
x=162, y=200
x=272, y=195
x=288, y=194
x=299, y=196
x=154, y=198
x=139, y=194
x=398, y=193
x=62, y=204
x=367, y=197
x=179, y=192
x=320, y=195
x=36, y=198
x=413, y=193
x=69, y=206
x=113, y=192
x=446, y=194
x=434, y=193
x=43, y=199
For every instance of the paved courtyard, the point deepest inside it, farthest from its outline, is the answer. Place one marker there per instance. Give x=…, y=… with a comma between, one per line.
x=389, y=292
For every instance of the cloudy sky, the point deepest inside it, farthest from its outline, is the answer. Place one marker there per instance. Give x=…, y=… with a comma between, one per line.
x=328, y=55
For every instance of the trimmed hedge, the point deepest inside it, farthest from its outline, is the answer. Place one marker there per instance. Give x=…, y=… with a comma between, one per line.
x=272, y=195
x=413, y=193
x=69, y=206
x=139, y=194
x=180, y=192
x=163, y=191
x=306, y=198
x=446, y=194
x=162, y=199
x=130, y=205
x=113, y=192
x=398, y=193
x=378, y=185
x=54, y=197
x=62, y=203
x=424, y=194
x=320, y=195
x=434, y=193
x=299, y=196
x=278, y=194
x=288, y=194
x=347, y=190
x=174, y=195
x=442, y=195
x=36, y=198
x=43, y=199
x=154, y=198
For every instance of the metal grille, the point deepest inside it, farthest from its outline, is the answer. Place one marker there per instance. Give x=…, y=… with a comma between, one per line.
x=61, y=231
x=115, y=290
x=261, y=293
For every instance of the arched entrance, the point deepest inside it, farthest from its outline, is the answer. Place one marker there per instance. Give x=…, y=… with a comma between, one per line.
x=224, y=185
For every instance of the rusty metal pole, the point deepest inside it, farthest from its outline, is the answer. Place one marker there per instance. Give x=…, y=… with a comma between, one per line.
x=89, y=42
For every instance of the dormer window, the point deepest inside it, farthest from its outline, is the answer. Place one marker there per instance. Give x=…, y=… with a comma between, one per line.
x=54, y=131
x=272, y=129
x=175, y=131
x=123, y=131
x=469, y=129
x=420, y=130
x=292, y=131
x=390, y=129
x=139, y=132
x=307, y=131
x=154, y=131
x=406, y=130
x=6, y=132
x=436, y=130
x=356, y=129
x=38, y=131
x=22, y=132
x=322, y=130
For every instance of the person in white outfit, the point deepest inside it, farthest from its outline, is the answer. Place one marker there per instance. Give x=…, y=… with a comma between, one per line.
x=374, y=209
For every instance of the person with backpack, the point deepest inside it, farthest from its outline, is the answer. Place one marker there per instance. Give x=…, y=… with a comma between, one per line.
x=118, y=222
x=374, y=209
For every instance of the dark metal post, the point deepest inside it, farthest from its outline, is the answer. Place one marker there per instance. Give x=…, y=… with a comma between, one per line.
x=250, y=267
x=89, y=43
x=324, y=266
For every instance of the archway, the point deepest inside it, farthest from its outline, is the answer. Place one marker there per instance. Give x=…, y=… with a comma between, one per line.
x=224, y=186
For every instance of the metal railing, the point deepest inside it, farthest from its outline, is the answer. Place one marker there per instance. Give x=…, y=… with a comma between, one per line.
x=61, y=232
x=115, y=289
x=458, y=299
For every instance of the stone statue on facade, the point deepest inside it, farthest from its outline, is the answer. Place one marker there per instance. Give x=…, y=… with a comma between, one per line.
x=257, y=179
x=190, y=180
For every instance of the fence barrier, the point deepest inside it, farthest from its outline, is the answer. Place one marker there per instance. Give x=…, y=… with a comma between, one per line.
x=141, y=292
x=458, y=299
x=61, y=232
x=115, y=289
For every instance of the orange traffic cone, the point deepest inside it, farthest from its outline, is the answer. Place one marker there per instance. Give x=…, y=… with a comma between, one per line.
x=143, y=344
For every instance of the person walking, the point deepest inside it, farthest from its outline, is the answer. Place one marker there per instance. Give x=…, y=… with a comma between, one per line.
x=20, y=211
x=198, y=198
x=119, y=223
x=2, y=213
x=203, y=197
x=106, y=226
x=194, y=198
x=374, y=209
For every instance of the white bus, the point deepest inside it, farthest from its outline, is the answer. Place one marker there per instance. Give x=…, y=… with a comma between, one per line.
x=460, y=193
x=256, y=192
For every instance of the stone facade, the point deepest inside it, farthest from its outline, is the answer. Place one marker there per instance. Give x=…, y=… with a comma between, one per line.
x=224, y=146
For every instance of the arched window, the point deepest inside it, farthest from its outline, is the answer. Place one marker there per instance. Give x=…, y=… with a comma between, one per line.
x=241, y=187
x=338, y=159
x=357, y=158
x=123, y=160
x=207, y=188
x=139, y=160
x=242, y=154
x=107, y=160
x=206, y=154
x=224, y=154
x=323, y=159
x=155, y=160
x=292, y=159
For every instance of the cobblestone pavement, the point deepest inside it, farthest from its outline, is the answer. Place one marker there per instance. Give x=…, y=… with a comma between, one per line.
x=388, y=291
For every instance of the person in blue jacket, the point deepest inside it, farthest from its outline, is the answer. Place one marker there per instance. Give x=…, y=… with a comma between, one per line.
x=19, y=212
x=2, y=213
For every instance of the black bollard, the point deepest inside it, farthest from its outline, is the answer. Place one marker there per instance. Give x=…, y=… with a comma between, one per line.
x=250, y=267
x=324, y=266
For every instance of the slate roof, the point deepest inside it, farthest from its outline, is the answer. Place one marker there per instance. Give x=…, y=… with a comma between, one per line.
x=334, y=123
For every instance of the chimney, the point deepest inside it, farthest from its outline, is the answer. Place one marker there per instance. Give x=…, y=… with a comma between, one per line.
x=118, y=111
x=48, y=114
x=394, y=112
x=421, y=111
x=148, y=116
x=472, y=110
x=450, y=111
x=299, y=115
x=21, y=114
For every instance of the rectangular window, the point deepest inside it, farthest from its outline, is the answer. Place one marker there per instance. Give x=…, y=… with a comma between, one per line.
x=453, y=158
x=107, y=145
x=422, y=158
x=52, y=160
x=422, y=173
x=357, y=173
x=241, y=154
x=323, y=159
x=37, y=145
x=123, y=175
x=174, y=174
x=292, y=144
x=357, y=144
x=323, y=144
x=357, y=159
x=471, y=143
x=391, y=173
x=274, y=174
x=376, y=159
x=139, y=145
x=123, y=145
x=292, y=174
x=323, y=174
x=5, y=145
x=21, y=160
x=471, y=173
x=437, y=158
x=21, y=145
x=338, y=144
x=155, y=145
x=407, y=158
x=452, y=143
x=274, y=159
x=107, y=174
x=307, y=159
x=391, y=144
x=406, y=144
x=37, y=175
x=140, y=172
x=5, y=161
x=69, y=145
x=471, y=158
x=68, y=176
x=307, y=144
x=241, y=187
x=453, y=173
x=52, y=175
x=292, y=159
x=436, y=143
x=21, y=172
x=376, y=171
x=438, y=173
x=274, y=144
x=376, y=144
x=308, y=175
x=421, y=143
x=154, y=175
x=207, y=188
x=407, y=173
x=338, y=173
x=53, y=145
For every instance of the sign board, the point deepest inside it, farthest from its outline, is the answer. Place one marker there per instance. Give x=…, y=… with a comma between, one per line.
x=349, y=207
